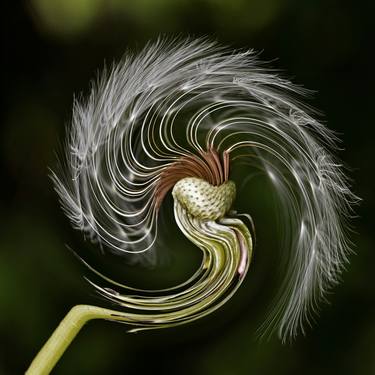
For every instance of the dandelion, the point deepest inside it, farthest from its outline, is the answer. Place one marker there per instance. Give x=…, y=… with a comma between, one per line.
x=176, y=118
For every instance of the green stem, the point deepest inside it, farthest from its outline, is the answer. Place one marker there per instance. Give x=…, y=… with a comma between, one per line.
x=63, y=335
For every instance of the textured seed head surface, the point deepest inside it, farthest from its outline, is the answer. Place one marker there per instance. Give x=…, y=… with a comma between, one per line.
x=203, y=200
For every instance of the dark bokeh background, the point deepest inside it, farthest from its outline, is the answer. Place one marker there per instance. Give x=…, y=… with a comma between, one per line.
x=50, y=50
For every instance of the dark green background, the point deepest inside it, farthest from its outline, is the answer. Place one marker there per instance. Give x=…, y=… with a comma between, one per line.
x=50, y=50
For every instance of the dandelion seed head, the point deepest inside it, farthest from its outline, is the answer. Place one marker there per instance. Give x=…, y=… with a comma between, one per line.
x=125, y=152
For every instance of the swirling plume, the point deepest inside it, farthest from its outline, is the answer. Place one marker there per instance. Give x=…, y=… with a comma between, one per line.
x=192, y=109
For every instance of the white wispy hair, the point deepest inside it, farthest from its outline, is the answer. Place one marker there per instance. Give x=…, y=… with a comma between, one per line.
x=182, y=97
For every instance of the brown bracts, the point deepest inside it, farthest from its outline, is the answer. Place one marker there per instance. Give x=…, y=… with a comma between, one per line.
x=207, y=166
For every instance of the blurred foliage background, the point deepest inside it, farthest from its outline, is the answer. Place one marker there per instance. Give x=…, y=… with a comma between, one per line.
x=52, y=49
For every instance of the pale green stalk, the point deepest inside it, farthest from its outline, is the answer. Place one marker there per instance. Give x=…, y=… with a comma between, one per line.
x=227, y=248
x=64, y=334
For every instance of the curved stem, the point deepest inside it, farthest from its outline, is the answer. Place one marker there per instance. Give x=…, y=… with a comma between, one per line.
x=63, y=335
